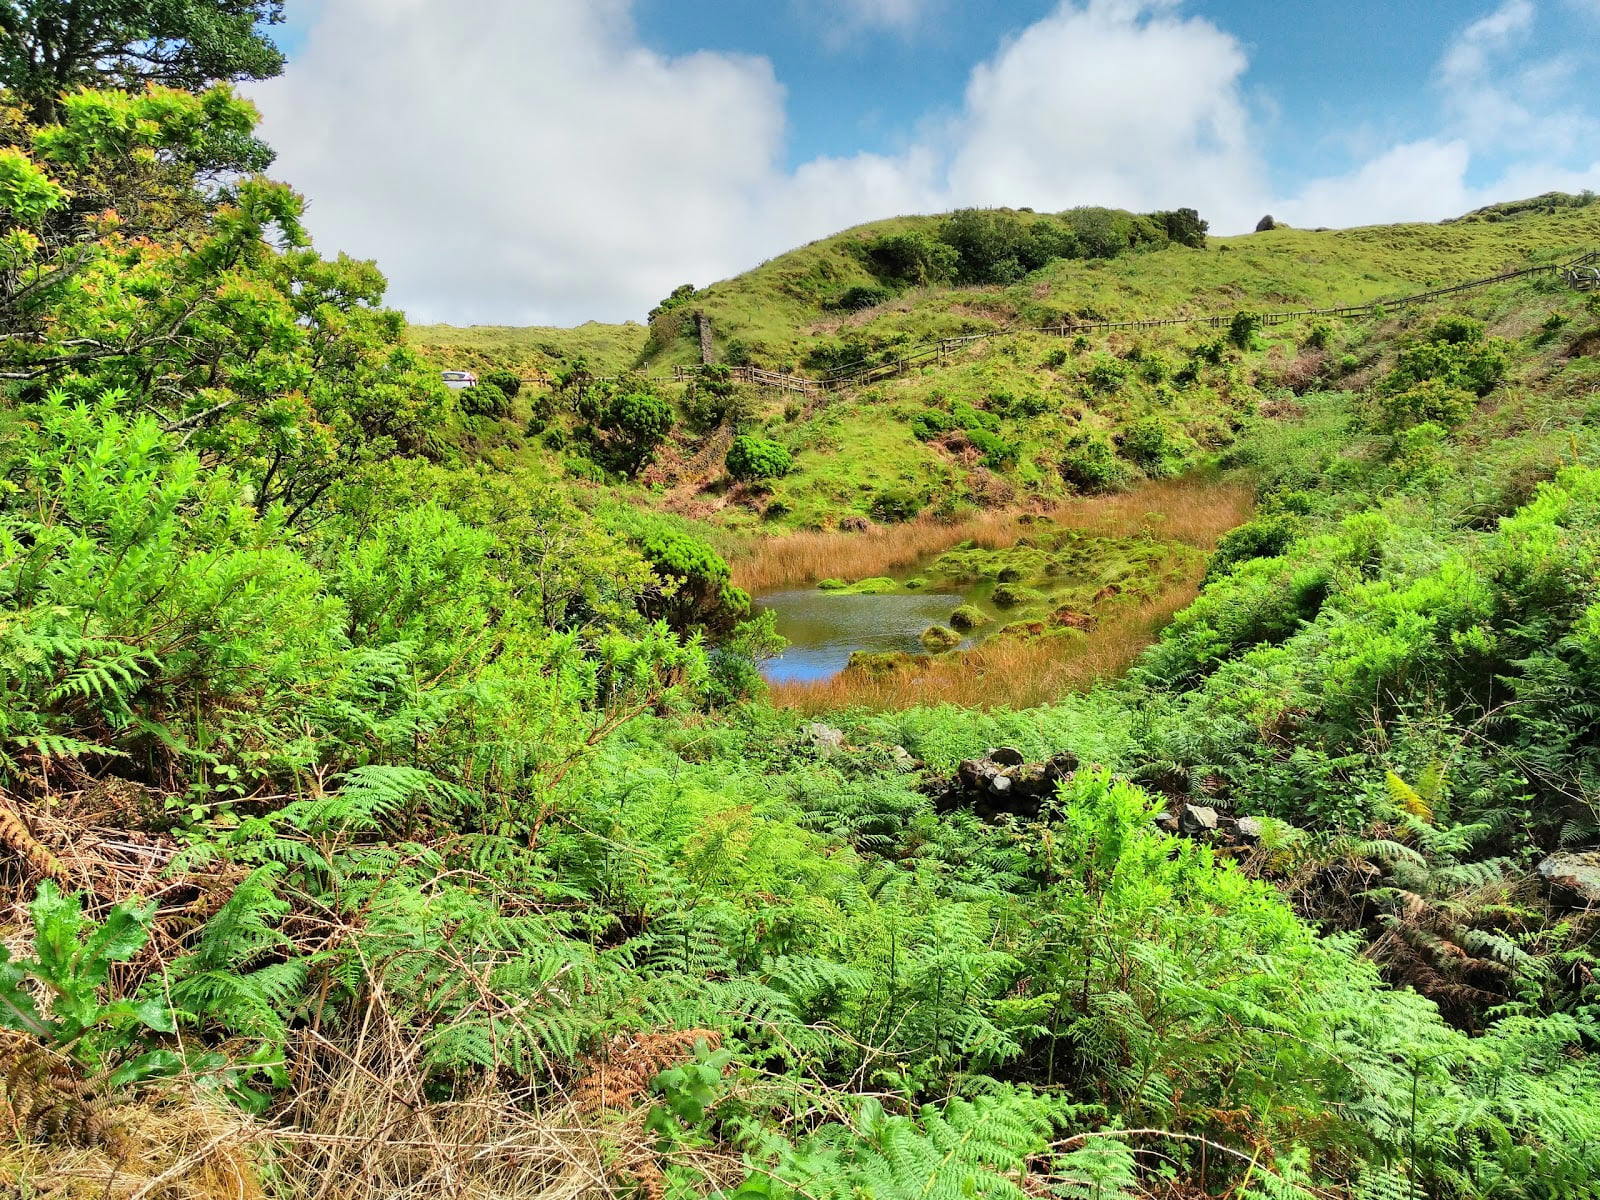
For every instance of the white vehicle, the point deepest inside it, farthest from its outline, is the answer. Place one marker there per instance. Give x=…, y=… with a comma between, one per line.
x=459, y=380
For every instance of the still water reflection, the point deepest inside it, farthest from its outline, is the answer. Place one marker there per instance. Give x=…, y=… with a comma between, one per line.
x=825, y=628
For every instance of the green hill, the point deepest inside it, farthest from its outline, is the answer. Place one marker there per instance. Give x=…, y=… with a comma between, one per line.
x=1012, y=419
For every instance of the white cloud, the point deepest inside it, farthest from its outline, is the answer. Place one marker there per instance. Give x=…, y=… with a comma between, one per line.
x=1117, y=103
x=1500, y=108
x=509, y=162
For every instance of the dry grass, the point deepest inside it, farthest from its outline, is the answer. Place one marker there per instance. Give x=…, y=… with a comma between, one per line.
x=1196, y=511
x=1003, y=673
x=162, y=1149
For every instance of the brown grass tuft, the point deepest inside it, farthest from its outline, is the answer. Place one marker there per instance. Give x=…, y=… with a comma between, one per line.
x=1194, y=510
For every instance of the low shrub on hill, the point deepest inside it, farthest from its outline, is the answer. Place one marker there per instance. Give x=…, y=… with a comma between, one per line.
x=752, y=459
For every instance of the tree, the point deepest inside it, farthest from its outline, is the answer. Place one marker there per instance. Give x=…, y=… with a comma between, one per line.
x=1185, y=227
x=634, y=422
x=49, y=47
x=208, y=310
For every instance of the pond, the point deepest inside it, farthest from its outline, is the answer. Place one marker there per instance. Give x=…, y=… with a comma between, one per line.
x=1051, y=583
x=824, y=629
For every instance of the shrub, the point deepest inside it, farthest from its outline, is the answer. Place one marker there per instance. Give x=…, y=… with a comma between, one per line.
x=1150, y=445
x=1243, y=329
x=969, y=418
x=698, y=592
x=1430, y=401
x=861, y=296
x=1091, y=465
x=993, y=245
x=1265, y=537
x=1452, y=357
x=930, y=423
x=1185, y=227
x=998, y=452
x=753, y=458
x=893, y=505
x=508, y=382
x=637, y=422
x=1106, y=372
x=1027, y=404
x=911, y=258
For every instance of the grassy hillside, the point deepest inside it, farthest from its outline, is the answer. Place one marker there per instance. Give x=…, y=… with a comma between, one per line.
x=774, y=311
x=533, y=351
x=1022, y=419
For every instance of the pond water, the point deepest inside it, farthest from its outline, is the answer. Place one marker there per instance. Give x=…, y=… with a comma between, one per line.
x=824, y=629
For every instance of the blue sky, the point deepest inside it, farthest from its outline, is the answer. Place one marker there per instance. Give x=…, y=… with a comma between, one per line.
x=575, y=158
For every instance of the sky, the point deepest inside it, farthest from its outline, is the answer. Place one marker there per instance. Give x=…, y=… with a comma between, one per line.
x=549, y=162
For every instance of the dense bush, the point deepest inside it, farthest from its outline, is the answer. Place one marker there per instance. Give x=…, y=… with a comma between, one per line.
x=911, y=258
x=859, y=297
x=629, y=424
x=751, y=459
x=1091, y=465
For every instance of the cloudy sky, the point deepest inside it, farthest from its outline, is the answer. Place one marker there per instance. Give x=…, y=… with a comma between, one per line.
x=555, y=161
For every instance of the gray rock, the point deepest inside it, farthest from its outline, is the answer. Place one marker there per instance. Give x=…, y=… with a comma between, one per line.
x=1000, y=785
x=828, y=740
x=1195, y=819
x=1573, y=876
x=902, y=759
x=1250, y=829
x=1005, y=756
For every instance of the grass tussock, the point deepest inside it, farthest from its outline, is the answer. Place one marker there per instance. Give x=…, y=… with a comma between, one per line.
x=1194, y=510
x=1004, y=673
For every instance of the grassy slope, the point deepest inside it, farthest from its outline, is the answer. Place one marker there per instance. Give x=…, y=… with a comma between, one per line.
x=774, y=310
x=534, y=350
x=852, y=450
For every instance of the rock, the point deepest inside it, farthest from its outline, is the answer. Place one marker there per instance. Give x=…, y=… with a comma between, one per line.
x=1195, y=819
x=1165, y=820
x=1249, y=828
x=967, y=617
x=827, y=740
x=902, y=759
x=854, y=525
x=1266, y=223
x=1574, y=876
x=1002, y=782
x=937, y=638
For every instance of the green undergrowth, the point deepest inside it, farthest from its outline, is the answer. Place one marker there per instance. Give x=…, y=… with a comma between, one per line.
x=445, y=756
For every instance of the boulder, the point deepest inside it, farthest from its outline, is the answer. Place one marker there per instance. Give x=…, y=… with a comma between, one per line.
x=1195, y=820
x=827, y=740
x=1249, y=829
x=1005, y=756
x=903, y=759
x=1573, y=876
